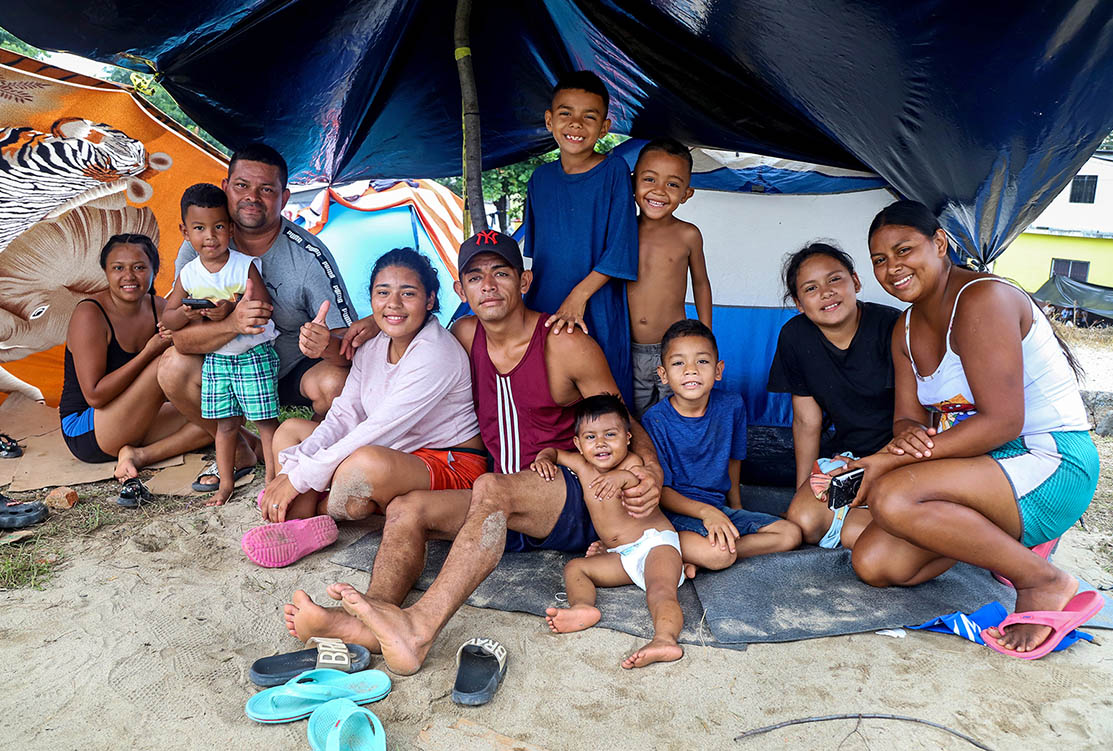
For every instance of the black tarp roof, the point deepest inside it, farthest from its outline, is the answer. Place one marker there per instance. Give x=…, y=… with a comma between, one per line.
x=982, y=110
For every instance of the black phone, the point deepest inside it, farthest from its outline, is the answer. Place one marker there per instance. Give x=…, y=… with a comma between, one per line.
x=844, y=488
x=197, y=303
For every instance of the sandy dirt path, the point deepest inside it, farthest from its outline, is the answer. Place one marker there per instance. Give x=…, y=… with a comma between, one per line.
x=144, y=637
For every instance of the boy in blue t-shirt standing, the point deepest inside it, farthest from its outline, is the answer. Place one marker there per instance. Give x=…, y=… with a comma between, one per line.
x=581, y=227
x=700, y=436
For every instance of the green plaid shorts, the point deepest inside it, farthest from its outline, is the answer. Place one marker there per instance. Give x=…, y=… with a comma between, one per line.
x=244, y=384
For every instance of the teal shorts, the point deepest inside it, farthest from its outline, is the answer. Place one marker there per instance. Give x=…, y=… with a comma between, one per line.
x=1053, y=476
x=244, y=384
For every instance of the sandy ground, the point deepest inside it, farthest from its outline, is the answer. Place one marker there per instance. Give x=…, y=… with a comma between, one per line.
x=144, y=637
x=1097, y=362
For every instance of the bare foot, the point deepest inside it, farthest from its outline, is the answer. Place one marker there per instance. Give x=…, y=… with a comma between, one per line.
x=689, y=571
x=305, y=619
x=595, y=548
x=128, y=462
x=401, y=640
x=1053, y=594
x=575, y=618
x=658, y=650
x=220, y=497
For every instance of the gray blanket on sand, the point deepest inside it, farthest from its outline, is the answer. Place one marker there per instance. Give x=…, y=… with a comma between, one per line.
x=782, y=597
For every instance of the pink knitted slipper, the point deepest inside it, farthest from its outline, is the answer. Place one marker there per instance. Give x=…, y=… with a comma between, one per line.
x=280, y=544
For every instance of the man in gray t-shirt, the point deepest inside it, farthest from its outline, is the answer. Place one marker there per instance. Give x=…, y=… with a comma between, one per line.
x=300, y=274
x=309, y=303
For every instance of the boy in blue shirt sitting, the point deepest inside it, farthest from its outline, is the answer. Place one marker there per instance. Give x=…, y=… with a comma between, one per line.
x=700, y=436
x=581, y=227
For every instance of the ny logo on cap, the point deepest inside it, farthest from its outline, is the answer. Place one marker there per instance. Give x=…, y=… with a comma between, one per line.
x=487, y=237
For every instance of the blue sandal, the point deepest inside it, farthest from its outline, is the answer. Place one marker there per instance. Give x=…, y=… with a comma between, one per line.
x=331, y=653
x=344, y=725
x=298, y=697
x=480, y=668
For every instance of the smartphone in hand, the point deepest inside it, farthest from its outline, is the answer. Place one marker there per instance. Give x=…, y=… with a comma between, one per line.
x=844, y=488
x=197, y=303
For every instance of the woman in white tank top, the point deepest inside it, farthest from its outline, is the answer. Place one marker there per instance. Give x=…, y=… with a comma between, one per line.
x=991, y=452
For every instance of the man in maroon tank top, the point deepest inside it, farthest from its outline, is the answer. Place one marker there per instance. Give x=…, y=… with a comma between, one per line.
x=526, y=381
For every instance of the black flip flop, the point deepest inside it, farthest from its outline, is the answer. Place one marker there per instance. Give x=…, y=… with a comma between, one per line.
x=134, y=493
x=480, y=668
x=19, y=515
x=327, y=653
x=9, y=447
x=211, y=471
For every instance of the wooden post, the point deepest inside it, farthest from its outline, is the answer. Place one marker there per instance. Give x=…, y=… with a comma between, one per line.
x=469, y=98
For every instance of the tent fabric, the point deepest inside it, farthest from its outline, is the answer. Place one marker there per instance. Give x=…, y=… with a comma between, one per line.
x=736, y=172
x=1064, y=292
x=983, y=111
x=81, y=160
x=361, y=221
x=747, y=339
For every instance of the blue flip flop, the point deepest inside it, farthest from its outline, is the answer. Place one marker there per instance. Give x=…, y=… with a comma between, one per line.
x=298, y=697
x=327, y=653
x=342, y=725
x=480, y=668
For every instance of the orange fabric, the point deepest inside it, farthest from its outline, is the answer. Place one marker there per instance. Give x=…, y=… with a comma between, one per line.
x=140, y=162
x=452, y=470
x=439, y=210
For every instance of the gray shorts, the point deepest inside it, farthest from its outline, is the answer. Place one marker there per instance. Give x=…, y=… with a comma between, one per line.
x=648, y=389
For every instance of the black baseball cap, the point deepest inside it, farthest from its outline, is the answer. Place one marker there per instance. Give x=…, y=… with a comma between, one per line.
x=490, y=241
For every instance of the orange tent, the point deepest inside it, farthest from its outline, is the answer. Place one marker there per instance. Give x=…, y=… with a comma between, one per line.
x=80, y=160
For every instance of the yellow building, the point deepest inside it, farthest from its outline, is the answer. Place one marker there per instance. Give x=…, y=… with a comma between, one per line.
x=1072, y=237
x=1034, y=256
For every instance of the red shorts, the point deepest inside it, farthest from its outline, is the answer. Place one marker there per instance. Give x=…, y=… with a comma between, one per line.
x=452, y=469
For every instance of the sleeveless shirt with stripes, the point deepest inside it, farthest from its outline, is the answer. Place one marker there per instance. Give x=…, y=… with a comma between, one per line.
x=516, y=411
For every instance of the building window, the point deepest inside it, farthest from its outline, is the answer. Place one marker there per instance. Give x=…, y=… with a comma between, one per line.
x=1076, y=270
x=1083, y=188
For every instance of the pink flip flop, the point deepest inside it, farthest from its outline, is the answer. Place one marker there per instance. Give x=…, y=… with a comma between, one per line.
x=280, y=544
x=1043, y=550
x=1082, y=607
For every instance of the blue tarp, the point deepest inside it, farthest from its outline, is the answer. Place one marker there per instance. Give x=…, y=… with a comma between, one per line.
x=984, y=111
x=358, y=238
x=798, y=179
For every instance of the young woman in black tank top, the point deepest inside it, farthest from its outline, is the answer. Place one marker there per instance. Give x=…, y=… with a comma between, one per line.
x=111, y=406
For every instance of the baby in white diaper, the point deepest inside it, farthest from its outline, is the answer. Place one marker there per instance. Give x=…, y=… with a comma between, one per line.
x=643, y=551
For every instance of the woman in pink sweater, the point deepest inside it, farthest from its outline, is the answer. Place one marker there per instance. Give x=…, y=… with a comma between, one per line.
x=404, y=421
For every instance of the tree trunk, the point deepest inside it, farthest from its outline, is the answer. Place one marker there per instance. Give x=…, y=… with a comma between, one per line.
x=469, y=97
x=502, y=205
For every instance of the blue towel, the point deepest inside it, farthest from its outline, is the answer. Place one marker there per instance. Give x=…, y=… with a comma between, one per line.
x=970, y=626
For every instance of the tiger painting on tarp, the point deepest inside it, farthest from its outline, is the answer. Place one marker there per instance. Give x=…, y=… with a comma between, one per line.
x=81, y=159
x=43, y=175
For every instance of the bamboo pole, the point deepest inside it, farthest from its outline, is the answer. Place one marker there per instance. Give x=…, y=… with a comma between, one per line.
x=472, y=150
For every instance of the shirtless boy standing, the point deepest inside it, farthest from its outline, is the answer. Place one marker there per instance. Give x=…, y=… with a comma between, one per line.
x=643, y=551
x=668, y=248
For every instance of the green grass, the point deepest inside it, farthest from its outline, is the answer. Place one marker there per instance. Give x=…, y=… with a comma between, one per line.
x=27, y=565
x=30, y=563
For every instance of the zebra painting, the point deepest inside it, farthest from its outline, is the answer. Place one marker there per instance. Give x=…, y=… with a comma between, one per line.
x=43, y=175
